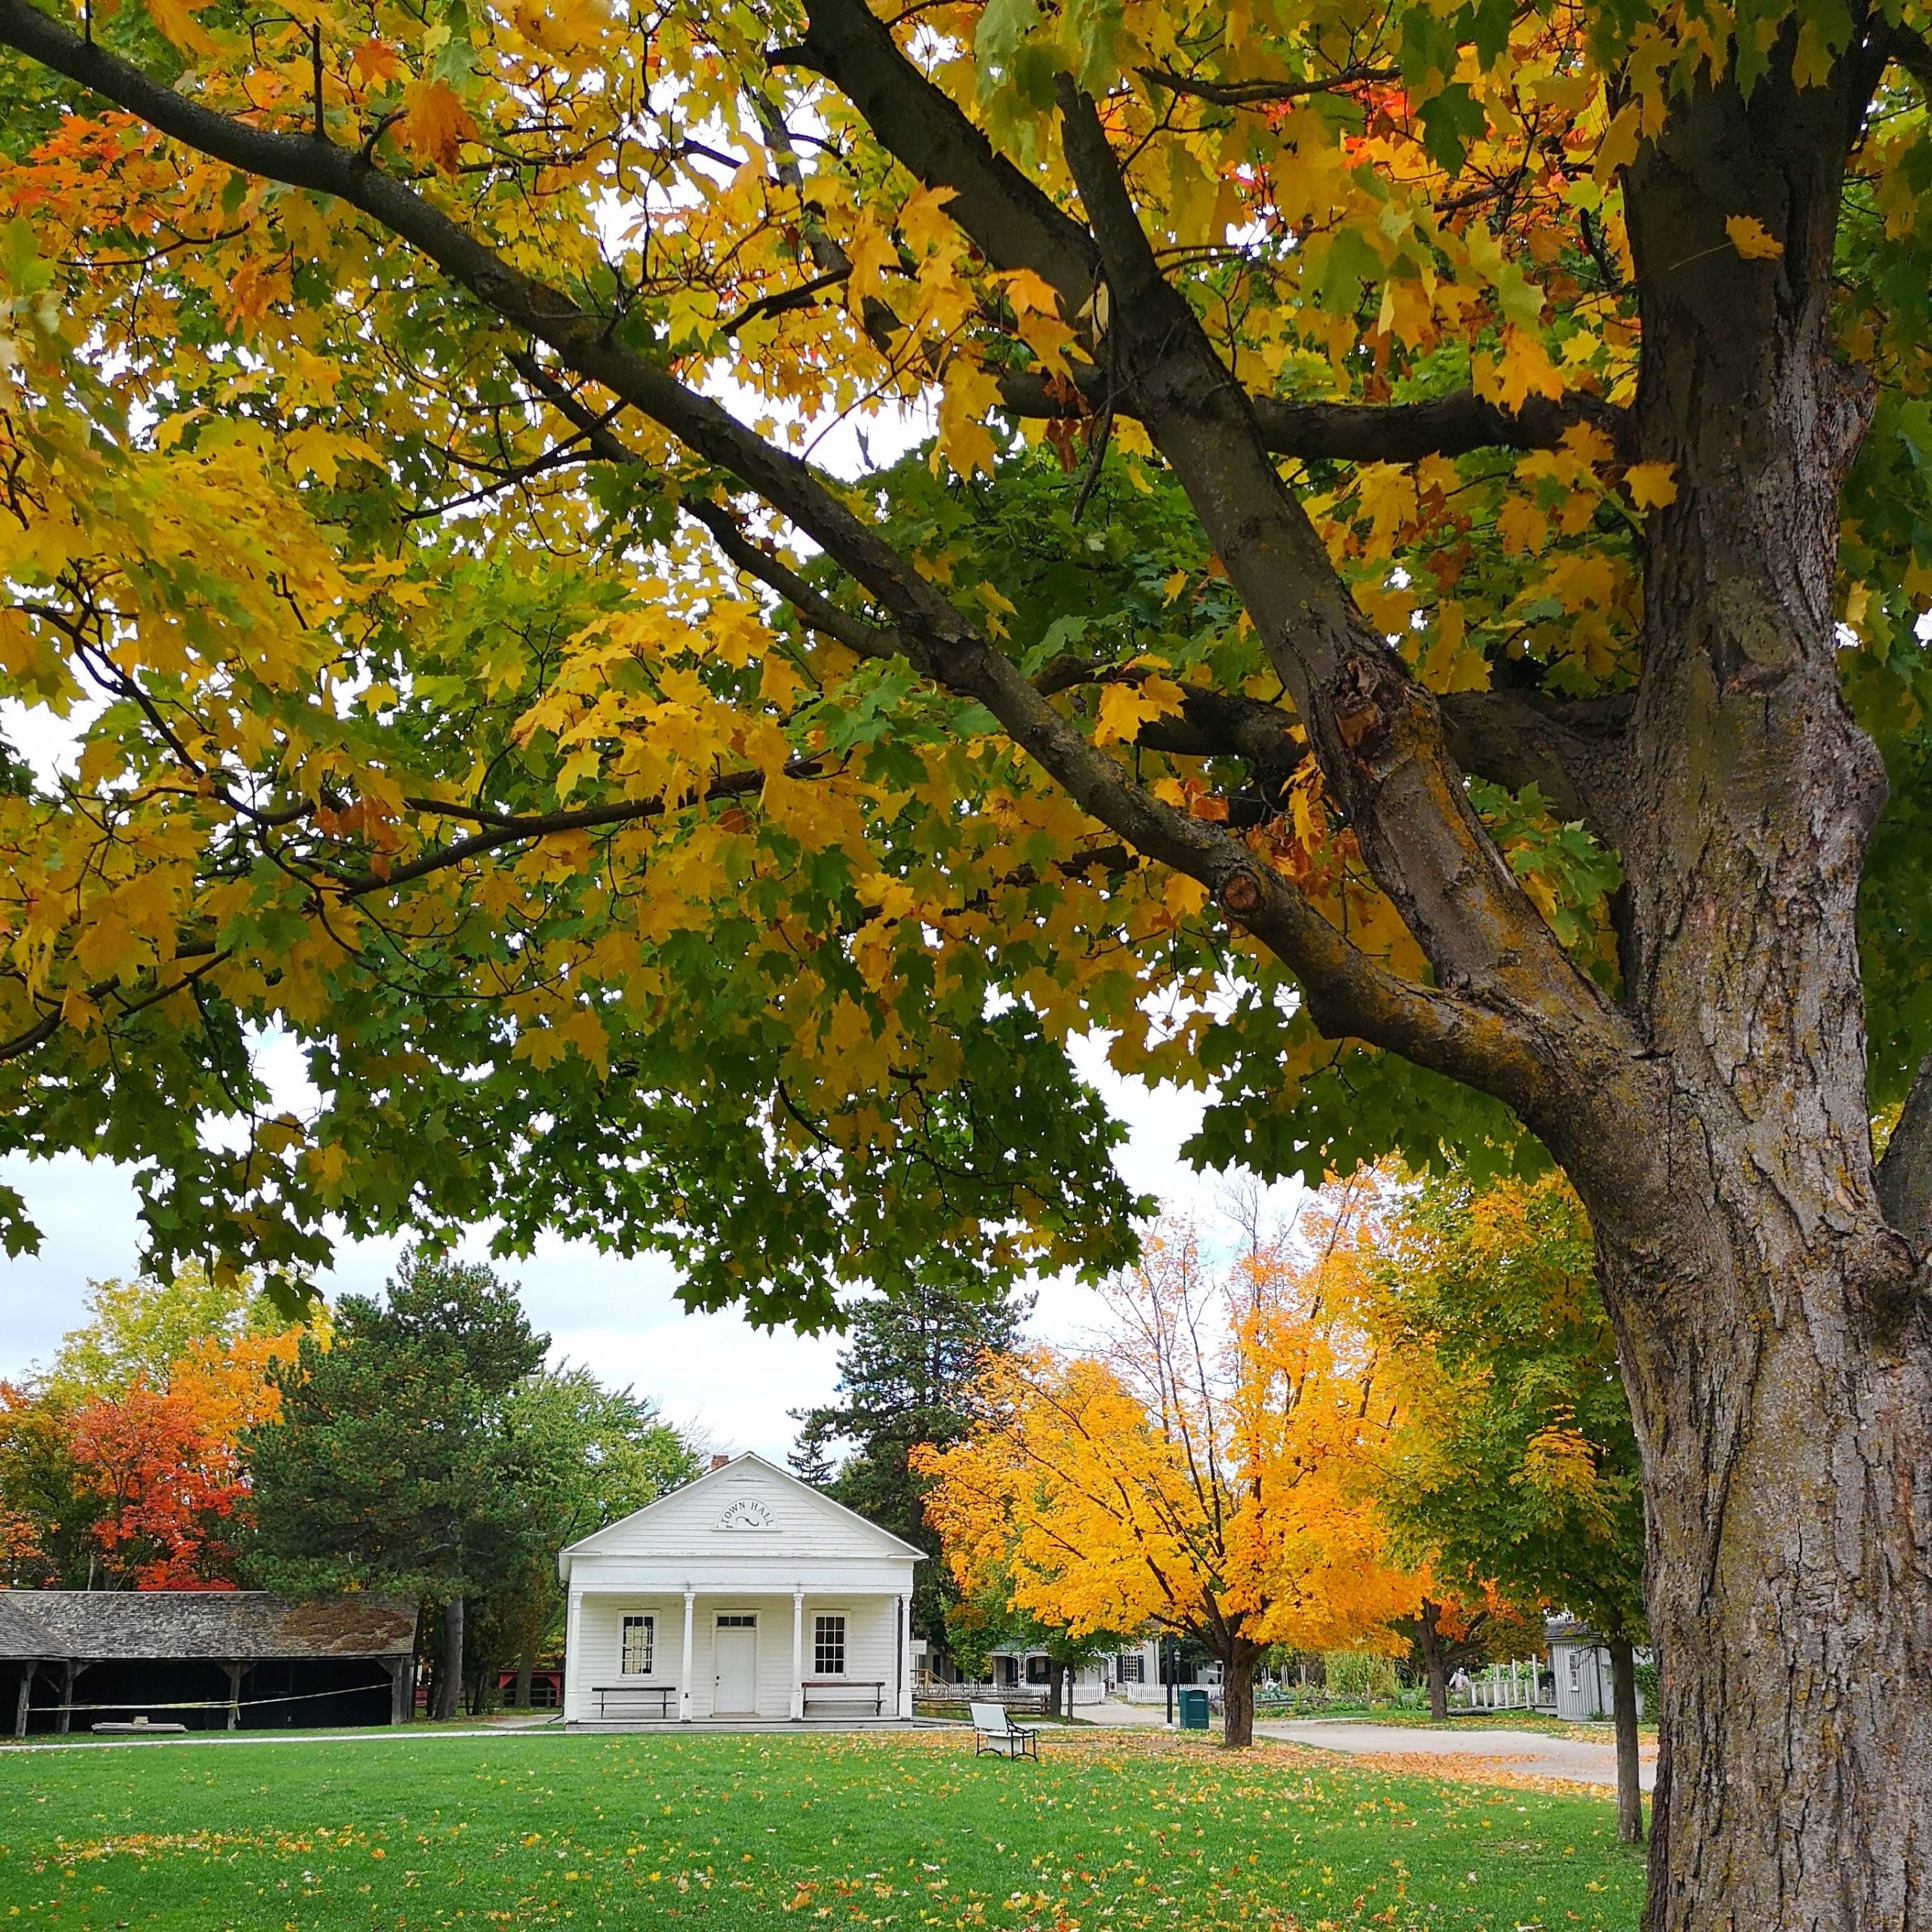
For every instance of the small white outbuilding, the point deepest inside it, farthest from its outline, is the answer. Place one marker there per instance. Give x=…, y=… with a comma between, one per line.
x=745, y=1595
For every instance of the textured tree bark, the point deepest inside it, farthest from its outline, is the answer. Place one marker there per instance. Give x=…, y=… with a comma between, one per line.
x=1623, y=1710
x=525, y=1666
x=1789, y=1475
x=1774, y=1337
x=449, y=1676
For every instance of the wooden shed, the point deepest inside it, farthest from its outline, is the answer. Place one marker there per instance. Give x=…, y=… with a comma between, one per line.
x=210, y=1659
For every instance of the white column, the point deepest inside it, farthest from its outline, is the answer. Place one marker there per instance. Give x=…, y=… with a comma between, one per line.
x=685, y=1669
x=797, y=1656
x=902, y=1608
x=573, y=1658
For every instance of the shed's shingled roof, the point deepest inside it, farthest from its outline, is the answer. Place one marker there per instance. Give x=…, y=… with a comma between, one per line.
x=20, y=1636
x=220, y=1624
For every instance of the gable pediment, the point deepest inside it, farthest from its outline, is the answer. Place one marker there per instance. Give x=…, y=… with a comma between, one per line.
x=748, y=1505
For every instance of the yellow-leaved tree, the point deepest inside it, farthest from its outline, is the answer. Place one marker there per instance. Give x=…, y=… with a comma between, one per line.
x=1207, y=1473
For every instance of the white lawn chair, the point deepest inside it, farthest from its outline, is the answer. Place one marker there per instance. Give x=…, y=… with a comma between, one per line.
x=994, y=1730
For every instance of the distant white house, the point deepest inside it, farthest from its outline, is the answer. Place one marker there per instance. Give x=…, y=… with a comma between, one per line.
x=1131, y=1676
x=746, y=1594
x=1579, y=1665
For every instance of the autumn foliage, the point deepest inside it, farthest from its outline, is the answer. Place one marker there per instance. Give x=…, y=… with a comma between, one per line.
x=116, y=1473
x=1210, y=1472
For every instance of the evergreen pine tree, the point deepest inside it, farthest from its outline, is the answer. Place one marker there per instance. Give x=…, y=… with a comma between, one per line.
x=906, y=1376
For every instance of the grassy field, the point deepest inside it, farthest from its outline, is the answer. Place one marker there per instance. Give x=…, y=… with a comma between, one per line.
x=720, y=1830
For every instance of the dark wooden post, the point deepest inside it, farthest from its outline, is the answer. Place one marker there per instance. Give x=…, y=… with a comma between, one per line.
x=235, y=1671
x=27, y=1669
x=69, y=1670
x=399, y=1688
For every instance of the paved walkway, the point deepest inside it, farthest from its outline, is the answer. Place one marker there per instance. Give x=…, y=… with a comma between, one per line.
x=1124, y=1716
x=1527, y=1752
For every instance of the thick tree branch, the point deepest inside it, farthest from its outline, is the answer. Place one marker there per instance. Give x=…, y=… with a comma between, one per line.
x=1013, y=224
x=1376, y=733
x=510, y=828
x=1451, y=425
x=1571, y=750
x=1258, y=93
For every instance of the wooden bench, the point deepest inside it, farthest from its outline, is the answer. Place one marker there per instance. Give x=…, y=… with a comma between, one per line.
x=844, y=1690
x=661, y=1693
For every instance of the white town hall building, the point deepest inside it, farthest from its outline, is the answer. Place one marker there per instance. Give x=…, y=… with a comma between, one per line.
x=746, y=1594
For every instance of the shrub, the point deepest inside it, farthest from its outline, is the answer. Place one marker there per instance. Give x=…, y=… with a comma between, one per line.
x=1359, y=1677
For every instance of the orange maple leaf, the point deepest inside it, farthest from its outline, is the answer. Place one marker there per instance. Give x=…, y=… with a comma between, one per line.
x=376, y=60
x=436, y=124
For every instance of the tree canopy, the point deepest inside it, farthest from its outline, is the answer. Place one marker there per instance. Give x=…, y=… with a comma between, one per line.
x=426, y=1452
x=438, y=695
x=1514, y=1461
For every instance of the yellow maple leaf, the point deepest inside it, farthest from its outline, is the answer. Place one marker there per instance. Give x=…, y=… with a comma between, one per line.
x=970, y=397
x=1618, y=147
x=1752, y=239
x=1183, y=896
x=176, y=18
x=436, y=124
x=1030, y=294
x=923, y=220
x=1651, y=485
x=1522, y=527
x=559, y=26
x=1525, y=370
x=1125, y=708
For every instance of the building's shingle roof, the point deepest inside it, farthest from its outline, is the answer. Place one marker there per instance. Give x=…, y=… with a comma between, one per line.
x=20, y=1636
x=220, y=1624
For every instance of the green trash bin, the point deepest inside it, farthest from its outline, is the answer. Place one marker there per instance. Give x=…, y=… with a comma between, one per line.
x=1193, y=1708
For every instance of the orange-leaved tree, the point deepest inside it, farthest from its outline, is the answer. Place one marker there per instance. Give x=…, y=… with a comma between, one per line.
x=1207, y=1474
x=123, y=1463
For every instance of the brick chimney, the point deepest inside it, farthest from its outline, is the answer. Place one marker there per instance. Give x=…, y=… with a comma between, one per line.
x=719, y=1461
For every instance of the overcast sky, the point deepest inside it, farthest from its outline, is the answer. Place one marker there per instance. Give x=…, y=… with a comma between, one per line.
x=621, y=1318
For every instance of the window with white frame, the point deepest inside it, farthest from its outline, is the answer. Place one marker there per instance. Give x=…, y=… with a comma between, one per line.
x=828, y=1646
x=1130, y=1667
x=640, y=1639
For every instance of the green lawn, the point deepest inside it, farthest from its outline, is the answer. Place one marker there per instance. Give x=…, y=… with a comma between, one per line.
x=720, y=1830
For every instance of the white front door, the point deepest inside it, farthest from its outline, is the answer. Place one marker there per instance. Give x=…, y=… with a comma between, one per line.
x=735, y=1653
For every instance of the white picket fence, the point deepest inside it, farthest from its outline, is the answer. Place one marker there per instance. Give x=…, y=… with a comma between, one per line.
x=1515, y=1686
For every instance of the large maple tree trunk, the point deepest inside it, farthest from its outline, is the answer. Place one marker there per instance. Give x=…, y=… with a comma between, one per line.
x=1789, y=1480
x=1777, y=1349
